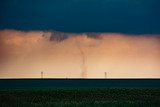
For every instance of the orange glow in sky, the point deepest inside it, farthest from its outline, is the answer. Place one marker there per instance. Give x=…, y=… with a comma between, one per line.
x=26, y=54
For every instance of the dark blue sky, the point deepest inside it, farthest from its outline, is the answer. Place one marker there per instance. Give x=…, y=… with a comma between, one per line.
x=118, y=16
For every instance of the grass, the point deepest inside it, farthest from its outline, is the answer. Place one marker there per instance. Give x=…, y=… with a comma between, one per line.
x=80, y=97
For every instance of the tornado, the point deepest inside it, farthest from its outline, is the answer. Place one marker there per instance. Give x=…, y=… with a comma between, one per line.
x=83, y=65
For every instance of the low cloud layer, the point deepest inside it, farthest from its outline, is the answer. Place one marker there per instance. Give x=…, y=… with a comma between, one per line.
x=61, y=55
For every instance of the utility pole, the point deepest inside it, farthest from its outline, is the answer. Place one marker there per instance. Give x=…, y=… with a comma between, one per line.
x=42, y=74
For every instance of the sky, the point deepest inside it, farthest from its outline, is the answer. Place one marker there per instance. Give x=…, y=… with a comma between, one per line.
x=120, y=16
x=80, y=38
x=25, y=54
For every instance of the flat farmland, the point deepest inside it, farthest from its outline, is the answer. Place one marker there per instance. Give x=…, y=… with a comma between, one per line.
x=80, y=97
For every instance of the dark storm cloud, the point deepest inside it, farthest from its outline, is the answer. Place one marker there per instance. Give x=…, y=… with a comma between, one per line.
x=58, y=36
x=94, y=35
x=122, y=16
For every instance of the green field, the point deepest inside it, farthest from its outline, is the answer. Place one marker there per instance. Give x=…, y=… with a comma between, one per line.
x=80, y=97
